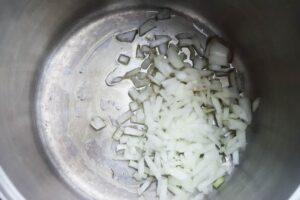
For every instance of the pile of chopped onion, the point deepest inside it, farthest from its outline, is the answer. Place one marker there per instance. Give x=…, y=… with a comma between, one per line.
x=186, y=124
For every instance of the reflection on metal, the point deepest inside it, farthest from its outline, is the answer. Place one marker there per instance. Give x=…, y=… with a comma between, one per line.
x=296, y=194
x=7, y=189
x=263, y=33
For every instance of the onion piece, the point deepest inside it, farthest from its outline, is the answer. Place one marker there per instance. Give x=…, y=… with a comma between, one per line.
x=127, y=36
x=146, y=49
x=240, y=81
x=182, y=56
x=145, y=185
x=138, y=82
x=162, y=65
x=97, y=123
x=217, y=53
x=111, y=81
x=141, y=167
x=224, y=81
x=192, y=53
x=117, y=134
x=246, y=105
x=153, y=168
x=199, y=62
x=124, y=117
x=162, y=48
x=121, y=147
x=164, y=14
x=240, y=112
x=174, y=58
x=132, y=72
x=160, y=39
x=123, y=59
x=187, y=122
x=133, y=131
x=146, y=63
x=147, y=26
x=235, y=158
x=133, y=106
x=199, y=45
x=184, y=36
x=185, y=42
x=205, y=73
x=255, y=104
x=139, y=53
x=218, y=60
x=235, y=124
x=163, y=195
x=217, y=183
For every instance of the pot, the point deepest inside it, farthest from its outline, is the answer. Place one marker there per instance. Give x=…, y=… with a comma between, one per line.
x=53, y=53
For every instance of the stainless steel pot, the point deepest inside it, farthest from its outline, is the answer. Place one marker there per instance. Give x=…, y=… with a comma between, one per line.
x=42, y=41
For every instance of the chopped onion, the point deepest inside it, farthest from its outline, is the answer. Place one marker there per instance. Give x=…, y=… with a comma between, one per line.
x=182, y=56
x=153, y=168
x=124, y=117
x=146, y=49
x=162, y=49
x=246, y=105
x=121, y=147
x=133, y=106
x=111, y=80
x=146, y=63
x=139, y=53
x=145, y=185
x=224, y=81
x=218, y=182
x=139, y=82
x=132, y=72
x=185, y=42
x=188, y=119
x=97, y=123
x=127, y=36
x=218, y=53
x=163, y=195
x=123, y=59
x=117, y=134
x=199, y=62
x=199, y=45
x=160, y=39
x=133, y=131
x=174, y=58
x=184, y=36
x=255, y=104
x=162, y=65
x=147, y=26
x=163, y=14
x=235, y=158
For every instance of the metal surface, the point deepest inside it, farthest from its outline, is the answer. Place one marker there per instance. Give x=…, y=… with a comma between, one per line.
x=54, y=56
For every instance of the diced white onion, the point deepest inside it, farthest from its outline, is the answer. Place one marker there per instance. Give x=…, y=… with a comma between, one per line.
x=147, y=26
x=160, y=39
x=133, y=131
x=139, y=53
x=163, y=14
x=184, y=36
x=188, y=119
x=123, y=59
x=97, y=123
x=174, y=58
x=127, y=36
x=255, y=104
x=124, y=117
x=133, y=106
